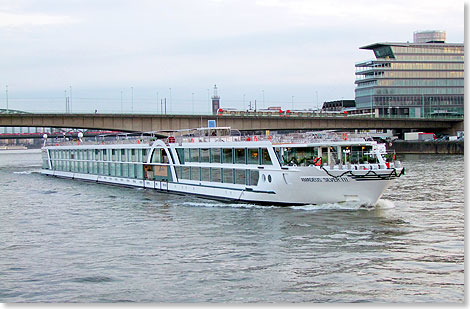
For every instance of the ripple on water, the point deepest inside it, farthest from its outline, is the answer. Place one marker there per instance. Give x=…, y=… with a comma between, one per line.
x=93, y=279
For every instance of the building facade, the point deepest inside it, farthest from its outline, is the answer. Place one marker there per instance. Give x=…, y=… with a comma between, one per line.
x=417, y=80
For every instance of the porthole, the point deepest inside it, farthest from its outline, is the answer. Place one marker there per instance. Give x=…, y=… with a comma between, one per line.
x=264, y=178
x=269, y=178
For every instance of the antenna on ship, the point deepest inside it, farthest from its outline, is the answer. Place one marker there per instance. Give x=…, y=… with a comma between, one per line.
x=215, y=101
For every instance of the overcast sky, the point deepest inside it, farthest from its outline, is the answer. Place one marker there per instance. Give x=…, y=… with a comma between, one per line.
x=291, y=51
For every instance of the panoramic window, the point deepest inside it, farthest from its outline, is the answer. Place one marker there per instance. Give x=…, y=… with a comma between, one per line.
x=265, y=158
x=254, y=177
x=195, y=173
x=194, y=154
x=253, y=156
x=156, y=156
x=187, y=156
x=216, y=175
x=164, y=156
x=204, y=155
x=240, y=177
x=299, y=155
x=227, y=155
x=228, y=175
x=185, y=172
x=240, y=156
x=180, y=152
x=215, y=155
x=205, y=174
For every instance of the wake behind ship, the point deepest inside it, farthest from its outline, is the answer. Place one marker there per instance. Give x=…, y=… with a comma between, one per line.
x=220, y=163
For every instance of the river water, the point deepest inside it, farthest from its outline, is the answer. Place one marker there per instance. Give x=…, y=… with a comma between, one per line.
x=72, y=241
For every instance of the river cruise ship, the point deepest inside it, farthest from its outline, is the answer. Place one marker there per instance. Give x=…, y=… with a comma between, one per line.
x=221, y=163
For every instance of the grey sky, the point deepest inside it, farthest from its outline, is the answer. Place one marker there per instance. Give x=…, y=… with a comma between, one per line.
x=296, y=48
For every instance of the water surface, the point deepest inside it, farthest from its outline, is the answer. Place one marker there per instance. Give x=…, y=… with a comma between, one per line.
x=73, y=241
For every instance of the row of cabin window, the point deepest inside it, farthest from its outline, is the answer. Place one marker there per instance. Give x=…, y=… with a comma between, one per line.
x=120, y=155
x=99, y=168
x=224, y=175
x=258, y=156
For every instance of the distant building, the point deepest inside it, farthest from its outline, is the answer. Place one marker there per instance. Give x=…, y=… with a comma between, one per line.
x=421, y=37
x=420, y=79
x=338, y=105
x=215, y=101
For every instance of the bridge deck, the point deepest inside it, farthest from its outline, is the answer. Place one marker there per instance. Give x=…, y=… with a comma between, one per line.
x=146, y=123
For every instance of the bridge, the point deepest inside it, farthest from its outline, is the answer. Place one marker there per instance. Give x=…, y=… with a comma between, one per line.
x=147, y=123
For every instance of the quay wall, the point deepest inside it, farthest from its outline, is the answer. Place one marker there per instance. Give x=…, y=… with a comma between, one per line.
x=428, y=147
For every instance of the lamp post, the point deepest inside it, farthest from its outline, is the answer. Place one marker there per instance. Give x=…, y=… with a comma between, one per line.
x=192, y=102
x=389, y=108
x=170, y=103
x=6, y=96
x=132, y=99
x=263, y=98
x=66, y=102
x=121, y=101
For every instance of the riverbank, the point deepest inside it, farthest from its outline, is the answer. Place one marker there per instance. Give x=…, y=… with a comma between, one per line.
x=428, y=147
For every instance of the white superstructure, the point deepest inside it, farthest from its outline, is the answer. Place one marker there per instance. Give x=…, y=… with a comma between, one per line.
x=302, y=168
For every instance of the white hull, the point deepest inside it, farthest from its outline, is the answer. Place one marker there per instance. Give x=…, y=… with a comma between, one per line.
x=232, y=168
x=294, y=192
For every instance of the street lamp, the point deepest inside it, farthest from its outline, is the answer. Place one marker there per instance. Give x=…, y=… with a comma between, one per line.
x=70, y=99
x=6, y=93
x=263, y=97
x=389, y=108
x=132, y=99
x=121, y=101
x=170, y=101
x=192, y=101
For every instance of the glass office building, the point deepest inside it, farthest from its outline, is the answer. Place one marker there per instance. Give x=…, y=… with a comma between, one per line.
x=416, y=80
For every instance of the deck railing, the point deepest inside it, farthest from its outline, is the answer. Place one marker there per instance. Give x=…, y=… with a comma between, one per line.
x=292, y=138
